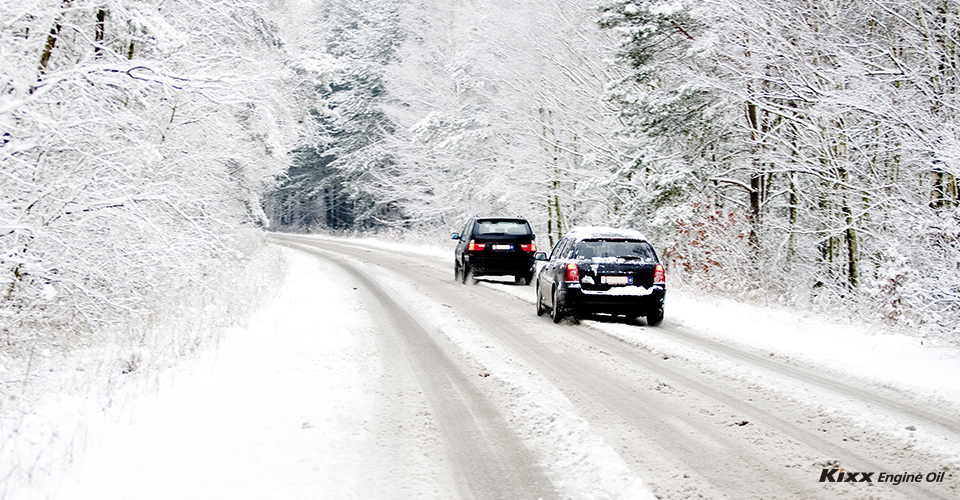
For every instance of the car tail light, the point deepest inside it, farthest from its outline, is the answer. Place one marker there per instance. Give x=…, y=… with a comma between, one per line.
x=572, y=273
x=475, y=247
x=659, y=276
x=529, y=248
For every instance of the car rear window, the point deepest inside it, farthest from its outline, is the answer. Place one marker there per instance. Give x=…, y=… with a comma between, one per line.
x=632, y=249
x=502, y=228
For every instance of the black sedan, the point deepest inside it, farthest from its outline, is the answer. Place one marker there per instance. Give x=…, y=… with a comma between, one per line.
x=602, y=270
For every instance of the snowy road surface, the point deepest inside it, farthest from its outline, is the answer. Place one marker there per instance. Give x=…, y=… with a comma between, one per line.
x=374, y=375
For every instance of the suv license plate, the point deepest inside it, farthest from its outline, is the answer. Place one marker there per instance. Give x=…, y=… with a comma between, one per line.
x=501, y=248
x=616, y=280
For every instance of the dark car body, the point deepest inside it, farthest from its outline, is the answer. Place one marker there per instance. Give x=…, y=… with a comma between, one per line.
x=495, y=246
x=602, y=270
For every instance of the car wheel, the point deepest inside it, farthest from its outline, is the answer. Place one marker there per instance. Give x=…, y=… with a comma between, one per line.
x=528, y=278
x=555, y=313
x=518, y=279
x=468, y=276
x=540, y=309
x=456, y=271
x=655, y=318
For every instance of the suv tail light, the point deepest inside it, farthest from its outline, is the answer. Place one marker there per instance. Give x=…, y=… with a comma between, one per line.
x=571, y=273
x=529, y=248
x=659, y=276
x=475, y=247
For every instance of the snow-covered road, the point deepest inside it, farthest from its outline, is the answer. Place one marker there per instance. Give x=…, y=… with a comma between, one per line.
x=374, y=375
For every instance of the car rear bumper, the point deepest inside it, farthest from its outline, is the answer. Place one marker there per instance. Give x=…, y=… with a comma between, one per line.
x=499, y=266
x=626, y=300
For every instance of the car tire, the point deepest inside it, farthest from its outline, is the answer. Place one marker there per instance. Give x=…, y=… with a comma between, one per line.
x=518, y=279
x=555, y=313
x=540, y=308
x=528, y=278
x=468, y=276
x=456, y=271
x=655, y=318
x=464, y=272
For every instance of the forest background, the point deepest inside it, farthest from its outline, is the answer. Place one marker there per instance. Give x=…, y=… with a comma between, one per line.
x=797, y=152
x=804, y=152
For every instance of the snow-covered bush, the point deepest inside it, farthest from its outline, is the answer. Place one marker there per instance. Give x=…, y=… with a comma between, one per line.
x=709, y=250
x=918, y=281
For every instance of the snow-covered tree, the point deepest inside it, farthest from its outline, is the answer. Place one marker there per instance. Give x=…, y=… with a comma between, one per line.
x=827, y=130
x=137, y=140
x=333, y=183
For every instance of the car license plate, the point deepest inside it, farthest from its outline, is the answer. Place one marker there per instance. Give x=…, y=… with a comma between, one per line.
x=616, y=280
x=502, y=248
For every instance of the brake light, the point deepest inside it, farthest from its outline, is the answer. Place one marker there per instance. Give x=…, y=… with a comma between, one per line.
x=475, y=247
x=529, y=248
x=659, y=276
x=571, y=273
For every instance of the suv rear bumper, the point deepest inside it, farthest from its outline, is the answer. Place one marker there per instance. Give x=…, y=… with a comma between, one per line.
x=500, y=266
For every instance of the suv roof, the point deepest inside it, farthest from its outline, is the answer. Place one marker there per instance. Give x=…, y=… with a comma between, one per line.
x=513, y=219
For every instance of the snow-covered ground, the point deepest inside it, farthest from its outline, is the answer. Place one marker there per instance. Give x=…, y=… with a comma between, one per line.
x=276, y=412
x=855, y=349
x=281, y=409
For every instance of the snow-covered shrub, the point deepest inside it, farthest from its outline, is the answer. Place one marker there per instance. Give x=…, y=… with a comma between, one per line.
x=904, y=293
x=710, y=250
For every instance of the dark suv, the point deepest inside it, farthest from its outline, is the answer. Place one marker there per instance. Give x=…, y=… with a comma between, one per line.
x=495, y=246
x=602, y=270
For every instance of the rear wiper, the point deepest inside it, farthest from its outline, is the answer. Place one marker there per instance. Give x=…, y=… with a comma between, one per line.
x=631, y=257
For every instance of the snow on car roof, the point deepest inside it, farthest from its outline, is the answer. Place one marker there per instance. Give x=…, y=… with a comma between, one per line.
x=606, y=232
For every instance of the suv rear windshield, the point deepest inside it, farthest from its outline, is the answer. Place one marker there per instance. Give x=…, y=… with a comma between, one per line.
x=502, y=228
x=630, y=249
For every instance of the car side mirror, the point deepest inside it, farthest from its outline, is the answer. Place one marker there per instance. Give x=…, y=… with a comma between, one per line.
x=455, y=236
x=540, y=256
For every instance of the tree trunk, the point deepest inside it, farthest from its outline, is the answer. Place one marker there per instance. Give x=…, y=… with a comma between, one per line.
x=52, y=38
x=756, y=181
x=552, y=149
x=99, y=31
x=853, y=249
x=793, y=200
